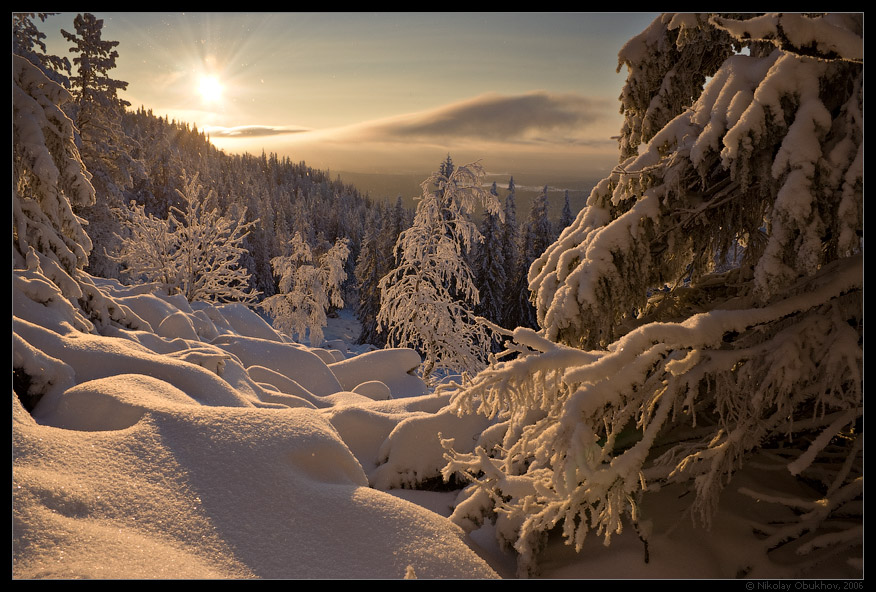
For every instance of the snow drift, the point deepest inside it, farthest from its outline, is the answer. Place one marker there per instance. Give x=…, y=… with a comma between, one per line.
x=213, y=448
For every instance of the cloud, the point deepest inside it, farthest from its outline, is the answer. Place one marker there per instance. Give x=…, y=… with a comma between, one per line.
x=251, y=131
x=533, y=117
x=537, y=131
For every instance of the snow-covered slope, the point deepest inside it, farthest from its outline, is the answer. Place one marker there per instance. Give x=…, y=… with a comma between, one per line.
x=202, y=444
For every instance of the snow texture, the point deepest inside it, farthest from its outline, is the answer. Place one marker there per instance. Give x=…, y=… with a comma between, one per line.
x=163, y=455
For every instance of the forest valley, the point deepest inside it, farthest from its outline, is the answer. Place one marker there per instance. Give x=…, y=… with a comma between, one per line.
x=700, y=319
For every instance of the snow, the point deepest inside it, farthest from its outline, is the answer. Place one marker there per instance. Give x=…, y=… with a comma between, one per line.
x=240, y=456
x=166, y=455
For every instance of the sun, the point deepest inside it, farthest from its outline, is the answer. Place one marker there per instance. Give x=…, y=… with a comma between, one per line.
x=210, y=88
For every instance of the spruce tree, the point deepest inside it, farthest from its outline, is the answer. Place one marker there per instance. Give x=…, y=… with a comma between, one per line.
x=48, y=180
x=537, y=235
x=107, y=151
x=490, y=266
x=427, y=301
x=515, y=277
x=566, y=217
x=370, y=268
x=27, y=42
x=704, y=316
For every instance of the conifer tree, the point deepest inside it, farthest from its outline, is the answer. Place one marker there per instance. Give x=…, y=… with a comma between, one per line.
x=370, y=268
x=48, y=179
x=490, y=266
x=566, y=217
x=515, y=277
x=538, y=233
x=27, y=42
x=704, y=315
x=47, y=175
x=427, y=301
x=97, y=110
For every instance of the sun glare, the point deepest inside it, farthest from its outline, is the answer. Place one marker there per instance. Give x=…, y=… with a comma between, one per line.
x=210, y=89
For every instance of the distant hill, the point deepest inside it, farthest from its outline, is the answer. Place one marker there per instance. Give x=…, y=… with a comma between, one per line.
x=381, y=186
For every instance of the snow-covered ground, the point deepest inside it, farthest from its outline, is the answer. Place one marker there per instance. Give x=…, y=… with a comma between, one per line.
x=204, y=444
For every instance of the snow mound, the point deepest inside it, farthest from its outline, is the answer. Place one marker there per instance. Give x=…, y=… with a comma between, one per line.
x=295, y=363
x=200, y=443
x=393, y=367
x=242, y=320
x=374, y=389
x=213, y=492
x=113, y=403
x=413, y=452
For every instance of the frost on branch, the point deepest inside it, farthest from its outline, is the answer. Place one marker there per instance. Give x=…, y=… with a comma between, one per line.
x=705, y=307
x=307, y=288
x=195, y=251
x=427, y=302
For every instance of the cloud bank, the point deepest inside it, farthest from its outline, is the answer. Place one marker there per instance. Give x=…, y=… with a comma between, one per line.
x=537, y=128
x=533, y=117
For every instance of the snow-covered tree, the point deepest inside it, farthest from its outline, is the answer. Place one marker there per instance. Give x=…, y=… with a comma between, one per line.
x=27, y=42
x=376, y=259
x=537, y=235
x=427, y=301
x=195, y=251
x=47, y=172
x=49, y=241
x=516, y=300
x=538, y=232
x=566, y=216
x=705, y=308
x=489, y=266
x=307, y=288
x=107, y=151
x=368, y=273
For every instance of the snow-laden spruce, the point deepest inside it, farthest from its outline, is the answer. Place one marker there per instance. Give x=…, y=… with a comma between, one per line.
x=427, y=302
x=705, y=307
x=109, y=153
x=489, y=266
x=48, y=179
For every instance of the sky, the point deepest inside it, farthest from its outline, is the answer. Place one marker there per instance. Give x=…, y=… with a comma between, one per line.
x=382, y=92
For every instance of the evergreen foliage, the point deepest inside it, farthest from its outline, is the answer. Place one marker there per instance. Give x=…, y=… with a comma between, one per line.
x=427, y=301
x=703, y=314
x=490, y=266
x=516, y=301
x=566, y=217
x=48, y=179
x=27, y=42
x=106, y=149
x=537, y=235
